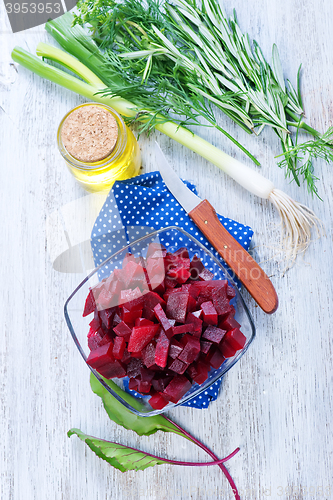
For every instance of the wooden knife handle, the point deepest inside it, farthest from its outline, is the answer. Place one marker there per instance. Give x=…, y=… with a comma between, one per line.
x=239, y=260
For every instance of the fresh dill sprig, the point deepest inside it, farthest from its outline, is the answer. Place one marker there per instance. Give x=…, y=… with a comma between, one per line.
x=306, y=152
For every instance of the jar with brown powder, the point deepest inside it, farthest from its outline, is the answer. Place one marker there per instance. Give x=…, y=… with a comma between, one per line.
x=97, y=146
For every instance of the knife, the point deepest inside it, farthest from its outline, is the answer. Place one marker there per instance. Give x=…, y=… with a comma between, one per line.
x=204, y=216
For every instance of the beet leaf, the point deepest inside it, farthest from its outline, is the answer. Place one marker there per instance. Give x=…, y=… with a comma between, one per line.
x=126, y=458
x=144, y=426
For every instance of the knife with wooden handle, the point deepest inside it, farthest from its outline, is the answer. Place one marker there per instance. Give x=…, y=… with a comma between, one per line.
x=238, y=259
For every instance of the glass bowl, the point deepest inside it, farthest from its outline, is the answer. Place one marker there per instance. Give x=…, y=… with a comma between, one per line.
x=172, y=238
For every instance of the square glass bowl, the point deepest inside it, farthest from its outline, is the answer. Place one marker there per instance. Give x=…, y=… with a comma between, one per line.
x=172, y=238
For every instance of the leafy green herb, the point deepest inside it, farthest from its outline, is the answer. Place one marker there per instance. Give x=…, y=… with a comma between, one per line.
x=189, y=48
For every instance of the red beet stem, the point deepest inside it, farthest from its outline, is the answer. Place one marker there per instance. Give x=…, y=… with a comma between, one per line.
x=207, y=450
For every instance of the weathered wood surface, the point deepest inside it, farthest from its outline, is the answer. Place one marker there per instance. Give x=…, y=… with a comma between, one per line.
x=276, y=403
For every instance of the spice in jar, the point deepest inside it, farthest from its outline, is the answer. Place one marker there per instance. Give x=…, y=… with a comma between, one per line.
x=98, y=146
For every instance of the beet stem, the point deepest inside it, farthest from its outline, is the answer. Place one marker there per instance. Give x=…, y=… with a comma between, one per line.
x=207, y=450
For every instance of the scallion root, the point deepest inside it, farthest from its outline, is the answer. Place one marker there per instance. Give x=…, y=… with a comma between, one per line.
x=297, y=223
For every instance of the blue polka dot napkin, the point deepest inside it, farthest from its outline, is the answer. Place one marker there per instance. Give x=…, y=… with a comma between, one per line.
x=138, y=206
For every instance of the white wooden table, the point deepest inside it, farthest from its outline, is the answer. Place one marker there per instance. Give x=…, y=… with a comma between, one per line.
x=276, y=403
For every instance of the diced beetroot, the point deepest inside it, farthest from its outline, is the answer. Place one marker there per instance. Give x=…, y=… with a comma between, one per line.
x=216, y=358
x=158, y=284
x=101, y=356
x=169, y=261
x=119, y=345
x=112, y=370
x=96, y=290
x=198, y=371
x=170, y=283
x=229, y=322
x=209, y=313
x=129, y=316
x=213, y=334
x=156, y=274
x=196, y=267
x=148, y=354
x=139, y=279
x=196, y=322
x=143, y=322
x=156, y=250
x=235, y=338
x=157, y=401
x=221, y=301
x=137, y=354
x=109, y=296
x=227, y=350
x=129, y=270
x=89, y=305
x=126, y=340
x=126, y=357
x=163, y=320
x=175, y=349
x=154, y=266
x=192, y=304
x=144, y=386
x=178, y=366
x=122, y=329
x=205, y=346
x=149, y=314
x=181, y=253
x=176, y=389
x=187, y=328
x=212, y=284
x=206, y=275
x=171, y=291
x=141, y=336
x=156, y=369
x=160, y=382
x=191, y=350
x=202, y=373
x=180, y=271
x=116, y=320
x=231, y=292
x=151, y=299
x=162, y=349
x=128, y=258
x=94, y=324
x=192, y=370
x=108, y=337
x=95, y=338
x=106, y=316
x=133, y=384
x=177, y=306
x=146, y=374
x=133, y=367
x=132, y=298
x=119, y=276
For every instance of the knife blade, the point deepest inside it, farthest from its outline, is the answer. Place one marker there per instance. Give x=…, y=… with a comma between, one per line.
x=254, y=279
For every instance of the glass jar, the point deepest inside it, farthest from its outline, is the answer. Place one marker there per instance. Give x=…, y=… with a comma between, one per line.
x=123, y=162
